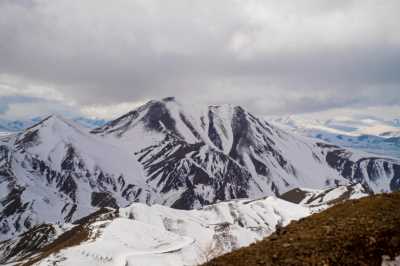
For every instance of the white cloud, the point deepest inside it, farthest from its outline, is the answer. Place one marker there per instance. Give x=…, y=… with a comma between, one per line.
x=14, y=86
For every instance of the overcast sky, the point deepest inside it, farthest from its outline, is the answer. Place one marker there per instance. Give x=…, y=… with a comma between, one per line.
x=102, y=58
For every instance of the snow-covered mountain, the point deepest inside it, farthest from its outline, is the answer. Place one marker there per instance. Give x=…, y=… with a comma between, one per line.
x=56, y=171
x=153, y=235
x=368, y=134
x=198, y=157
x=165, y=153
x=172, y=141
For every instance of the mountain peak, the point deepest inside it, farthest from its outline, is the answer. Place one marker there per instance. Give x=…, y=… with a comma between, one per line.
x=169, y=99
x=54, y=120
x=155, y=115
x=53, y=127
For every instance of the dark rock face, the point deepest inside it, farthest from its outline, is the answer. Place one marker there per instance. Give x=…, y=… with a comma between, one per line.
x=240, y=129
x=13, y=208
x=364, y=169
x=212, y=132
x=295, y=195
x=68, y=187
x=323, y=198
x=68, y=162
x=338, y=159
x=26, y=244
x=103, y=199
x=395, y=183
x=28, y=139
x=158, y=115
x=176, y=165
x=5, y=166
x=12, y=203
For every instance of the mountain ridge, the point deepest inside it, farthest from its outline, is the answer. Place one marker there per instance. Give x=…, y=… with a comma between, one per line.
x=356, y=232
x=164, y=153
x=158, y=235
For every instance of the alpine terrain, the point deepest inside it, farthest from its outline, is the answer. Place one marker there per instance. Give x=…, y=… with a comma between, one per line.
x=168, y=154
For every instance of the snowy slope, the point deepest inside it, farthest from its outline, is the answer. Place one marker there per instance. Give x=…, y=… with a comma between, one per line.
x=57, y=172
x=158, y=235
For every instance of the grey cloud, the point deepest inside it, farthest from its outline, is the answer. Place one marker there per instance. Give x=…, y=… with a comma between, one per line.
x=99, y=53
x=19, y=99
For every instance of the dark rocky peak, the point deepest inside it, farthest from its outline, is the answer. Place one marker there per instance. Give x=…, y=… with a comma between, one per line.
x=169, y=99
x=150, y=114
x=157, y=116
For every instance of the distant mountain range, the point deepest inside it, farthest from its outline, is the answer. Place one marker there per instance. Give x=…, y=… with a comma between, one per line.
x=19, y=125
x=368, y=134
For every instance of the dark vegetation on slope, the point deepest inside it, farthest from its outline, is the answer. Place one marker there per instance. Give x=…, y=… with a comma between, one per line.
x=74, y=237
x=356, y=232
x=27, y=243
x=36, y=244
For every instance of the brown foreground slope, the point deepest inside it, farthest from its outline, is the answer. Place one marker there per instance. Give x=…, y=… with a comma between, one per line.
x=356, y=232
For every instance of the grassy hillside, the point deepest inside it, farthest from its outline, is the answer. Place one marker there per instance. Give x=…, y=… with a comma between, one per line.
x=356, y=232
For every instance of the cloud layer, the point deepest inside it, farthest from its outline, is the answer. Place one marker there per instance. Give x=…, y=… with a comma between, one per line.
x=274, y=57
